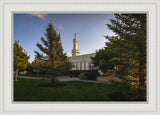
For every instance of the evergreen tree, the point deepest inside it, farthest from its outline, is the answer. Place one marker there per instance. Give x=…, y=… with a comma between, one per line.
x=131, y=30
x=20, y=59
x=126, y=50
x=53, y=51
x=105, y=58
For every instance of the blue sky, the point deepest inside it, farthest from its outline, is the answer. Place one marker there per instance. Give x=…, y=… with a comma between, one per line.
x=91, y=29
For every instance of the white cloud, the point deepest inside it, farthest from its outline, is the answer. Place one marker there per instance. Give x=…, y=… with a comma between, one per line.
x=41, y=16
x=61, y=27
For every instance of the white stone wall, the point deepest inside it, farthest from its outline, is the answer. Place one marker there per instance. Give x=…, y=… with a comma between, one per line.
x=82, y=61
x=87, y=67
x=82, y=65
x=78, y=65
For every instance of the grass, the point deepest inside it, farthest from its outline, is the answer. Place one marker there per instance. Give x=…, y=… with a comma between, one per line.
x=29, y=90
x=31, y=75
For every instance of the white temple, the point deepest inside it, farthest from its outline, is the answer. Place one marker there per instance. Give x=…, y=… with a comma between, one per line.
x=80, y=62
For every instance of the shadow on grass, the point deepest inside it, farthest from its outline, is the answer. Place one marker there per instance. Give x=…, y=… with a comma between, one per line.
x=18, y=81
x=52, y=85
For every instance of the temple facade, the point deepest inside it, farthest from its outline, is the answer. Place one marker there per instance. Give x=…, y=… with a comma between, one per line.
x=80, y=62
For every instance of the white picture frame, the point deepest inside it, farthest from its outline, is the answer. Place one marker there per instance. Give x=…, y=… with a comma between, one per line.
x=151, y=7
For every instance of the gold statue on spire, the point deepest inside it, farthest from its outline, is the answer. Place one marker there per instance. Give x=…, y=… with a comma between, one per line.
x=75, y=35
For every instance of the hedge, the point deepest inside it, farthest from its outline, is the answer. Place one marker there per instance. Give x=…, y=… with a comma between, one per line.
x=75, y=73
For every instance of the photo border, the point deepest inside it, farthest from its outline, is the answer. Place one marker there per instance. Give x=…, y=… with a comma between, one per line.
x=4, y=55
x=84, y=102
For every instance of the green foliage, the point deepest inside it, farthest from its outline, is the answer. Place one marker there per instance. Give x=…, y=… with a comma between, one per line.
x=127, y=50
x=20, y=57
x=75, y=73
x=129, y=94
x=106, y=58
x=53, y=57
x=29, y=68
x=82, y=76
x=131, y=47
x=91, y=75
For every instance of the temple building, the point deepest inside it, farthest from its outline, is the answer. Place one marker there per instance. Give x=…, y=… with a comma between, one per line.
x=80, y=62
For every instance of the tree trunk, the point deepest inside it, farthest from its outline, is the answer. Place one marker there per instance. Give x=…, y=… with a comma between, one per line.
x=16, y=74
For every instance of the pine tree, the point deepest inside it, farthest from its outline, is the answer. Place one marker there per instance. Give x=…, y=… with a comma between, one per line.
x=53, y=51
x=107, y=58
x=131, y=30
x=20, y=59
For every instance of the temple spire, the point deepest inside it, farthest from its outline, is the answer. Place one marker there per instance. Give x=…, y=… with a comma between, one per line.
x=75, y=51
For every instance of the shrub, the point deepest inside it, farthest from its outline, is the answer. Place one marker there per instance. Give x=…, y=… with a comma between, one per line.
x=75, y=73
x=82, y=76
x=92, y=75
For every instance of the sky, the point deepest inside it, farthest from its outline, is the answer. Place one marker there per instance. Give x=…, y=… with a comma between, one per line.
x=91, y=29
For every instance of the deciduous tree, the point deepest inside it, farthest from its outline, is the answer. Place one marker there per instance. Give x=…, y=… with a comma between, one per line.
x=20, y=59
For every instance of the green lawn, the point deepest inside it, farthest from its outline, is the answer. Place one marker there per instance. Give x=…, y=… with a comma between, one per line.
x=31, y=75
x=29, y=90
